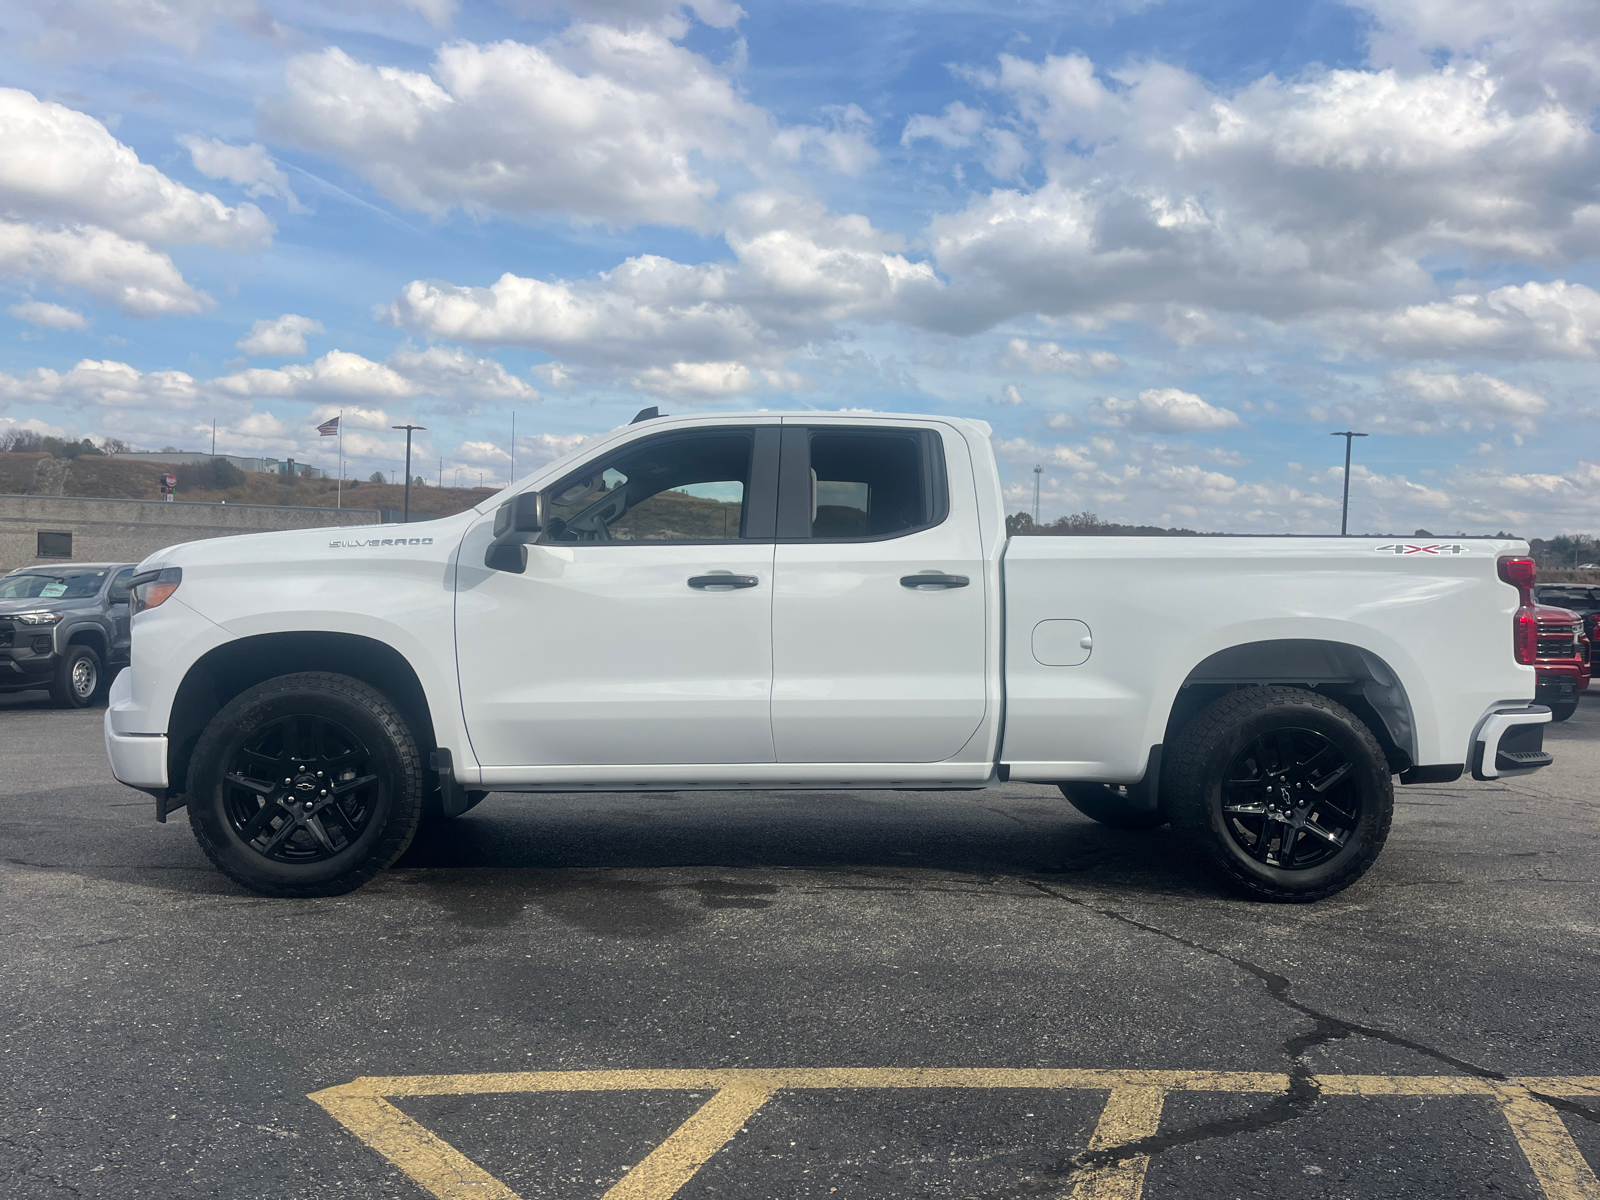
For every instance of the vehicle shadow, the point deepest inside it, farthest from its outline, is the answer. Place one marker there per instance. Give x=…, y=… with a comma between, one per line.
x=1017, y=830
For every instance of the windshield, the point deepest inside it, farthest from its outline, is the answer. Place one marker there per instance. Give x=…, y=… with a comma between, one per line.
x=51, y=585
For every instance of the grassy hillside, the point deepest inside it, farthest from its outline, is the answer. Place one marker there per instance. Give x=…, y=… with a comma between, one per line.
x=92, y=476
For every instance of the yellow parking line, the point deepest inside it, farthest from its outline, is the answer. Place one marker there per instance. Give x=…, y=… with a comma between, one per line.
x=669, y=1166
x=1132, y=1111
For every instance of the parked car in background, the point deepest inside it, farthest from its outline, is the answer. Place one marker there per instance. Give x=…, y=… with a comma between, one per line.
x=1581, y=598
x=1559, y=655
x=64, y=628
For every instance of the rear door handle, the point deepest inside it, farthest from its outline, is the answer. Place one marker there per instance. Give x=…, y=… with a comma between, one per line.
x=932, y=579
x=723, y=581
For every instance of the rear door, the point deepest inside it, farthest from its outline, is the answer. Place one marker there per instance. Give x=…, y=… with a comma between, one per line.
x=641, y=630
x=878, y=634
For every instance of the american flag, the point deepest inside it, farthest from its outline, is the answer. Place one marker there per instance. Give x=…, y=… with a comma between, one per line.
x=329, y=428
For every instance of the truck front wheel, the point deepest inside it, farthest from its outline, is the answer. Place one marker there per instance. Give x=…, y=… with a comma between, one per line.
x=1287, y=792
x=76, y=682
x=305, y=785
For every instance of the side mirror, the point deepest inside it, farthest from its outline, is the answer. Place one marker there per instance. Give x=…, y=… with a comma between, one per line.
x=514, y=521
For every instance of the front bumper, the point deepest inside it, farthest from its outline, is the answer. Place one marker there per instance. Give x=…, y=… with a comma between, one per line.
x=25, y=665
x=138, y=760
x=1511, y=742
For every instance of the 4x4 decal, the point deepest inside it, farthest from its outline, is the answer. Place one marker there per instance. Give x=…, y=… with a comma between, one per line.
x=1426, y=548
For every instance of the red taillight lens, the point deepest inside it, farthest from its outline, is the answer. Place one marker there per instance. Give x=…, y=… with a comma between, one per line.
x=1520, y=573
x=1525, y=636
x=152, y=589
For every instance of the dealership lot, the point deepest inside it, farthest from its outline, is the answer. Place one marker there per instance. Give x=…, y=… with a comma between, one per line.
x=862, y=995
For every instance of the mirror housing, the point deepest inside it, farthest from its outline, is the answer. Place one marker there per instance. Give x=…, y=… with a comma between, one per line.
x=515, y=521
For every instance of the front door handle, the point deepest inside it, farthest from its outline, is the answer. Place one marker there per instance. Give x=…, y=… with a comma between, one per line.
x=723, y=581
x=932, y=579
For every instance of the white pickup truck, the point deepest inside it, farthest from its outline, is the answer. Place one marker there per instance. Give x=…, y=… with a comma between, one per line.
x=812, y=601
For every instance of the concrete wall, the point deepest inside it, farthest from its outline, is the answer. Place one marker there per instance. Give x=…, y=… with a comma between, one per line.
x=128, y=530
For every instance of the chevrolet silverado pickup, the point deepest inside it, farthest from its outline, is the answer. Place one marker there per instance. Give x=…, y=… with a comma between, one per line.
x=813, y=601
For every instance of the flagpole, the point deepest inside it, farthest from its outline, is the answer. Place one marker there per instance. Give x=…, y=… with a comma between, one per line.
x=339, y=487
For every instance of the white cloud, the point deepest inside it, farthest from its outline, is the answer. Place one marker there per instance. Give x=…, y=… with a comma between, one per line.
x=437, y=372
x=681, y=329
x=1162, y=410
x=953, y=128
x=1023, y=451
x=250, y=167
x=280, y=337
x=94, y=27
x=1049, y=357
x=602, y=124
x=105, y=384
x=48, y=316
x=1010, y=397
x=64, y=167
x=140, y=281
x=1534, y=320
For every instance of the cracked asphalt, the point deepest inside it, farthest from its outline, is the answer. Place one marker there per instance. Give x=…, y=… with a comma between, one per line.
x=162, y=1029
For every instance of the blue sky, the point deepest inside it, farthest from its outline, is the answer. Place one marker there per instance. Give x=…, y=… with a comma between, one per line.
x=1163, y=248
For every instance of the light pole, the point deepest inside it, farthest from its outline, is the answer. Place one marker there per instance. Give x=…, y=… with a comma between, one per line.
x=408, y=429
x=1344, y=515
x=1037, y=471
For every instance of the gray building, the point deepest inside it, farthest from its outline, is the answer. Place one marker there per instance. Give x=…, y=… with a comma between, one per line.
x=59, y=529
x=184, y=458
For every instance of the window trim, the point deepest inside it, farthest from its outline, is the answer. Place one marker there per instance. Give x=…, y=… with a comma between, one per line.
x=794, y=481
x=761, y=494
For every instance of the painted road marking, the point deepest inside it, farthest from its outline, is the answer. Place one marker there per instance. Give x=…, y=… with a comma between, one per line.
x=1132, y=1111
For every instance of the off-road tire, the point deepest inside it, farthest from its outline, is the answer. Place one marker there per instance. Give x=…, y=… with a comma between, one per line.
x=394, y=760
x=1192, y=792
x=65, y=689
x=1104, y=803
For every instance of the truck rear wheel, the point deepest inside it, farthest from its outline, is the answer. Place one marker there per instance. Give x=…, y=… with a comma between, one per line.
x=1109, y=805
x=1287, y=792
x=305, y=785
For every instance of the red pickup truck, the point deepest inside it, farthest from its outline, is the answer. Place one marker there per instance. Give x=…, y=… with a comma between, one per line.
x=1557, y=642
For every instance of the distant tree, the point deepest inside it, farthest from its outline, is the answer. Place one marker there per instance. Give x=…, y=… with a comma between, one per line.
x=1569, y=549
x=1422, y=533
x=80, y=449
x=1018, y=524
x=353, y=482
x=169, y=450
x=114, y=446
x=419, y=482
x=375, y=477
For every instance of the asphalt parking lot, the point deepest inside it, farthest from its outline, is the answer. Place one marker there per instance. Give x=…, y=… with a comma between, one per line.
x=850, y=995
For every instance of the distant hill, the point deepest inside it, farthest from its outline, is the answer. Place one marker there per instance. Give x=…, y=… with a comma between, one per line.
x=110, y=478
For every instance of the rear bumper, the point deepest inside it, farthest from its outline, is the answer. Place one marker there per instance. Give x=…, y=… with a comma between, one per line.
x=1511, y=742
x=139, y=760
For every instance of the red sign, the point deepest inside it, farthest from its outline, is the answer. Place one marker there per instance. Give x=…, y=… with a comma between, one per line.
x=169, y=480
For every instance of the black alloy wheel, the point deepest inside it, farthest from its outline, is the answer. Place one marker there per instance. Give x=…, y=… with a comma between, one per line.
x=300, y=789
x=305, y=785
x=1290, y=800
x=1286, y=791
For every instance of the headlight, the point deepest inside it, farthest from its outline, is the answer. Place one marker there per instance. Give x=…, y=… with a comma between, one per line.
x=38, y=618
x=152, y=588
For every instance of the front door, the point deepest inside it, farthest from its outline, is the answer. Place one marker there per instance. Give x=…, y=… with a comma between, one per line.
x=870, y=665
x=641, y=631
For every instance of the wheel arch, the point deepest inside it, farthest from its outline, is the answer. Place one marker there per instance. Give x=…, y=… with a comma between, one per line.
x=92, y=636
x=229, y=669
x=1356, y=677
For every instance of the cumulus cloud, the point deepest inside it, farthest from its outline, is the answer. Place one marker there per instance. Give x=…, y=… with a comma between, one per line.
x=708, y=329
x=1425, y=403
x=81, y=211
x=1278, y=199
x=953, y=128
x=103, y=384
x=1163, y=410
x=438, y=371
x=1049, y=357
x=96, y=26
x=602, y=124
x=250, y=167
x=280, y=337
x=48, y=316
x=1534, y=320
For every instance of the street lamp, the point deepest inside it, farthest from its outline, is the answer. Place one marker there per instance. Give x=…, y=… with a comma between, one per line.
x=1344, y=515
x=408, y=429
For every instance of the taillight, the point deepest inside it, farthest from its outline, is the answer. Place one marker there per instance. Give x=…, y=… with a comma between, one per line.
x=153, y=588
x=1525, y=635
x=1520, y=573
